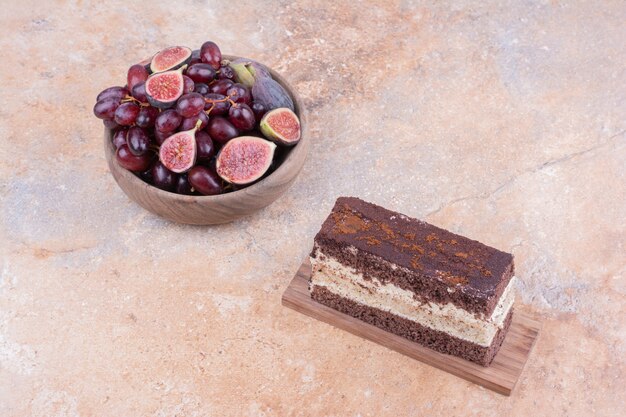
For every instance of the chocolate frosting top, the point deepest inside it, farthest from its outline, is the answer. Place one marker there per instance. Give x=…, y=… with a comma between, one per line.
x=428, y=250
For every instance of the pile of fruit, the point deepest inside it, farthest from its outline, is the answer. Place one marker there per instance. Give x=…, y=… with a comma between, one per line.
x=190, y=122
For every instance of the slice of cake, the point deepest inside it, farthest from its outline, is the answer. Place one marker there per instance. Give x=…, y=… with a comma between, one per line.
x=444, y=291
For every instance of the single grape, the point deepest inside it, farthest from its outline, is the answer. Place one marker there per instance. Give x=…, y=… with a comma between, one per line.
x=136, y=74
x=132, y=162
x=105, y=109
x=183, y=186
x=110, y=124
x=239, y=93
x=201, y=73
x=161, y=136
x=195, y=57
x=119, y=137
x=221, y=86
x=210, y=54
x=190, y=104
x=201, y=88
x=117, y=93
x=226, y=72
x=138, y=141
x=205, y=146
x=147, y=116
x=190, y=122
x=218, y=102
x=204, y=180
x=146, y=175
x=221, y=130
x=168, y=121
x=241, y=116
x=163, y=178
x=126, y=114
x=139, y=92
x=259, y=110
x=188, y=84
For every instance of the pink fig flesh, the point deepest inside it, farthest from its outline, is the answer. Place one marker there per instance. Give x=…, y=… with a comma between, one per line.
x=178, y=152
x=245, y=159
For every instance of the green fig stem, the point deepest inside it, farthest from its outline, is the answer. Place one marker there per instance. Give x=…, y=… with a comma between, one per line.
x=198, y=123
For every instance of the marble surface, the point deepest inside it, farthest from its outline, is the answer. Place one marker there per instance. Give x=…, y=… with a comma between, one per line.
x=503, y=121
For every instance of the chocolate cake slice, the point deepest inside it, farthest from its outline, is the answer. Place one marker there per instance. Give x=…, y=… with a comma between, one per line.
x=444, y=291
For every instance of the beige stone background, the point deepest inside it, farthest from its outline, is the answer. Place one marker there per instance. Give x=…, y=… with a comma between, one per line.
x=503, y=121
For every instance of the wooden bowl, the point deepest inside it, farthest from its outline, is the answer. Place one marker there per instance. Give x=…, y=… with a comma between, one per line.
x=221, y=208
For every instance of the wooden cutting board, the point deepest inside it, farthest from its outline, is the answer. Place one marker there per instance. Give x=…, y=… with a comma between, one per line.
x=501, y=376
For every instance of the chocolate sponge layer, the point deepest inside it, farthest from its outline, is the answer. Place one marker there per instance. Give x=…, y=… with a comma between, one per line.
x=433, y=263
x=436, y=340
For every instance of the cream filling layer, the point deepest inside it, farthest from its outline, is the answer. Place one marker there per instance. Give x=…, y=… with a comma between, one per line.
x=345, y=282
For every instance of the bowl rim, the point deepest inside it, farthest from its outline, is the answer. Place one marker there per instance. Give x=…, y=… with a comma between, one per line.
x=298, y=150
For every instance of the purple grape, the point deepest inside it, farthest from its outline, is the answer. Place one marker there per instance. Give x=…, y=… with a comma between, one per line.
x=210, y=53
x=218, y=102
x=139, y=92
x=168, y=121
x=195, y=57
x=136, y=74
x=105, y=109
x=226, y=72
x=117, y=93
x=188, y=84
x=161, y=136
x=163, y=178
x=259, y=110
x=204, y=180
x=201, y=73
x=241, y=116
x=221, y=130
x=221, y=86
x=138, y=141
x=239, y=93
x=205, y=146
x=147, y=116
x=126, y=114
x=190, y=104
x=183, y=186
x=119, y=137
x=201, y=88
x=110, y=124
x=190, y=122
x=132, y=162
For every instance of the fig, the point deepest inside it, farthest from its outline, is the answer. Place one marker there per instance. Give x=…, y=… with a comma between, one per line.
x=164, y=88
x=203, y=180
x=178, y=152
x=246, y=71
x=245, y=159
x=271, y=94
x=170, y=58
x=281, y=126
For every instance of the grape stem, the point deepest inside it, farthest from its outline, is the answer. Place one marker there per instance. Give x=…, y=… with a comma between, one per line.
x=208, y=100
x=132, y=99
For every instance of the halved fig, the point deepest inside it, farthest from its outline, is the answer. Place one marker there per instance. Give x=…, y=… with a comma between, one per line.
x=164, y=88
x=281, y=126
x=178, y=152
x=245, y=159
x=170, y=58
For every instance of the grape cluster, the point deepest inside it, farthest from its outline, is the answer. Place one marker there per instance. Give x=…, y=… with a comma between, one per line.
x=212, y=102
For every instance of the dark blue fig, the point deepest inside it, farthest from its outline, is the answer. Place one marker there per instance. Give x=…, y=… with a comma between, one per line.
x=271, y=94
